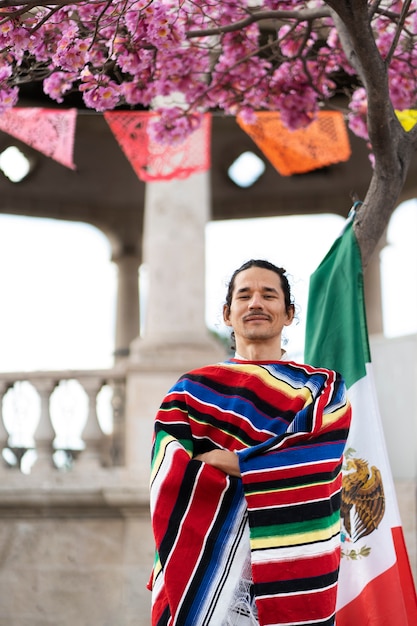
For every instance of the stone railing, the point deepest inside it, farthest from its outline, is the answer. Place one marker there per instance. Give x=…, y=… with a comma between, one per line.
x=62, y=445
x=59, y=420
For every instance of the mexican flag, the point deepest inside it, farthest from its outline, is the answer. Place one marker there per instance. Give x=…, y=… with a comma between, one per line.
x=376, y=586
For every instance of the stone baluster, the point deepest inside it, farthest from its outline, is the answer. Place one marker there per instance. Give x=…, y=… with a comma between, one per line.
x=117, y=451
x=44, y=434
x=90, y=457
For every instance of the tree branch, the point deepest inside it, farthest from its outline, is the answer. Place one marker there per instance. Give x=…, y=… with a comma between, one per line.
x=383, y=125
x=398, y=31
x=7, y=4
x=391, y=145
x=303, y=16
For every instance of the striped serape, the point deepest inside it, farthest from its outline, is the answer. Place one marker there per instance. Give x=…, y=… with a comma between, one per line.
x=288, y=424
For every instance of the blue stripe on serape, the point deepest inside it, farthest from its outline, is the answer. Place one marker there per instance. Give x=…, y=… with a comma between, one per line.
x=296, y=377
x=296, y=455
x=226, y=402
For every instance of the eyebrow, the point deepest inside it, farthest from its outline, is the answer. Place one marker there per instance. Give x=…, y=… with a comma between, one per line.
x=264, y=288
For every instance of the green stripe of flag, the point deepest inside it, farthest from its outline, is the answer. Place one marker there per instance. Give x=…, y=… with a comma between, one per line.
x=336, y=332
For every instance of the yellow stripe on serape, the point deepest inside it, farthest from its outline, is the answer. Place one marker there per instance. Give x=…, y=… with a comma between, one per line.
x=334, y=416
x=292, y=488
x=171, y=409
x=157, y=565
x=296, y=539
x=160, y=453
x=268, y=379
x=163, y=440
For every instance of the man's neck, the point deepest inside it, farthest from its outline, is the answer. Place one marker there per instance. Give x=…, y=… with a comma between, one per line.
x=259, y=352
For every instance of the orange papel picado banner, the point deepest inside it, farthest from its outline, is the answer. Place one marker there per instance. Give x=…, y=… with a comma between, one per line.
x=324, y=142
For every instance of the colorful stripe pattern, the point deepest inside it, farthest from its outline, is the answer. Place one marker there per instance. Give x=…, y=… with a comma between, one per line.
x=288, y=424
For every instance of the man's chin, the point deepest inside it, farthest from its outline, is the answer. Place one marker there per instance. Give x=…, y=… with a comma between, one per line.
x=258, y=336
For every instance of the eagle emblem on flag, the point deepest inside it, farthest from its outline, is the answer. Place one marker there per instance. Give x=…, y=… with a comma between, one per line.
x=363, y=499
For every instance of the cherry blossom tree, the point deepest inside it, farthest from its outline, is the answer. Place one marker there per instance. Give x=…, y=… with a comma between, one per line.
x=236, y=56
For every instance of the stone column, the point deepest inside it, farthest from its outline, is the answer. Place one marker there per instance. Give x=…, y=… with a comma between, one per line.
x=127, y=308
x=175, y=338
x=176, y=213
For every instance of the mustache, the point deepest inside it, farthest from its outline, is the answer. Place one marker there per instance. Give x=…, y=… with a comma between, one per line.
x=254, y=315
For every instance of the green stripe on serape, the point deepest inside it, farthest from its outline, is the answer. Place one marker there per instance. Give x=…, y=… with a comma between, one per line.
x=296, y=528
x=161, y=440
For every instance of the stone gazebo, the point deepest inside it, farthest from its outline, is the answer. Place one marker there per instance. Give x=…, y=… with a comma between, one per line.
x=76, y=544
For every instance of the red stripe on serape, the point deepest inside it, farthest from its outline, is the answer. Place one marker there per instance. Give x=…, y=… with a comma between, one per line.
x=223, y=437
x=309, y=608
x=293, y=605
x=297, y=568
x=209, y=489
x=295, y=471
x=324, y=400
x=172, y=485
x=308, y=493
x=244, y=376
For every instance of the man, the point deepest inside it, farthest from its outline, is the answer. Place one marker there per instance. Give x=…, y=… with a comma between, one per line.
x=246, y=476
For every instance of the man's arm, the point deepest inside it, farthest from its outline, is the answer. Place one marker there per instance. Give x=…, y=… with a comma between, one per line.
x=223, y=460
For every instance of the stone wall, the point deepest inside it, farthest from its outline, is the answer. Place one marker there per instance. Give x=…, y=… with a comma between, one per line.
x=395, y=369
x=83, y=570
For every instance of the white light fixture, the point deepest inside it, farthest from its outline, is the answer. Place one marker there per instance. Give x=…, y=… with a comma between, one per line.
x=246, y=170
x=14, y=164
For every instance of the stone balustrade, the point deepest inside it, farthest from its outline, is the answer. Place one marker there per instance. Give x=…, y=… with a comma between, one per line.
x=55, y=420
x=75, y=535
x=62, y=443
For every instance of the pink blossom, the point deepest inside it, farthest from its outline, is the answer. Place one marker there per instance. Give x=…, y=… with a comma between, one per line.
x=99, y=92
x=58, y=84
x=131, y=51
x=173, y=125
x=5, y=70
x=292, y=39
x=137, y=92
x=8, y=97
x=358, y=112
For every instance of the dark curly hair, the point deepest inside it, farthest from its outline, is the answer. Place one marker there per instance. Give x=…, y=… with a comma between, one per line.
x=266, y=265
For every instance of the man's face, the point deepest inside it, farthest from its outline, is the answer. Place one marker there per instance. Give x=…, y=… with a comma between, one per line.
x=257, y=312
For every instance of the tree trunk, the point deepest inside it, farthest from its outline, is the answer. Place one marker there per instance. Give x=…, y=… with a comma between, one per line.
x=374, y=214
x=387, y=182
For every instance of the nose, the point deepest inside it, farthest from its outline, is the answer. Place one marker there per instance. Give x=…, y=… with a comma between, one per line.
x=256, y=301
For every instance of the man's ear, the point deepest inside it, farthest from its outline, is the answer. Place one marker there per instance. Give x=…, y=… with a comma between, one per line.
x=290, y=315
x=226, y=315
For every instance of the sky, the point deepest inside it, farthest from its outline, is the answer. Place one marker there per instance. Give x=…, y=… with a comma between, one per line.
x=58, y=284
